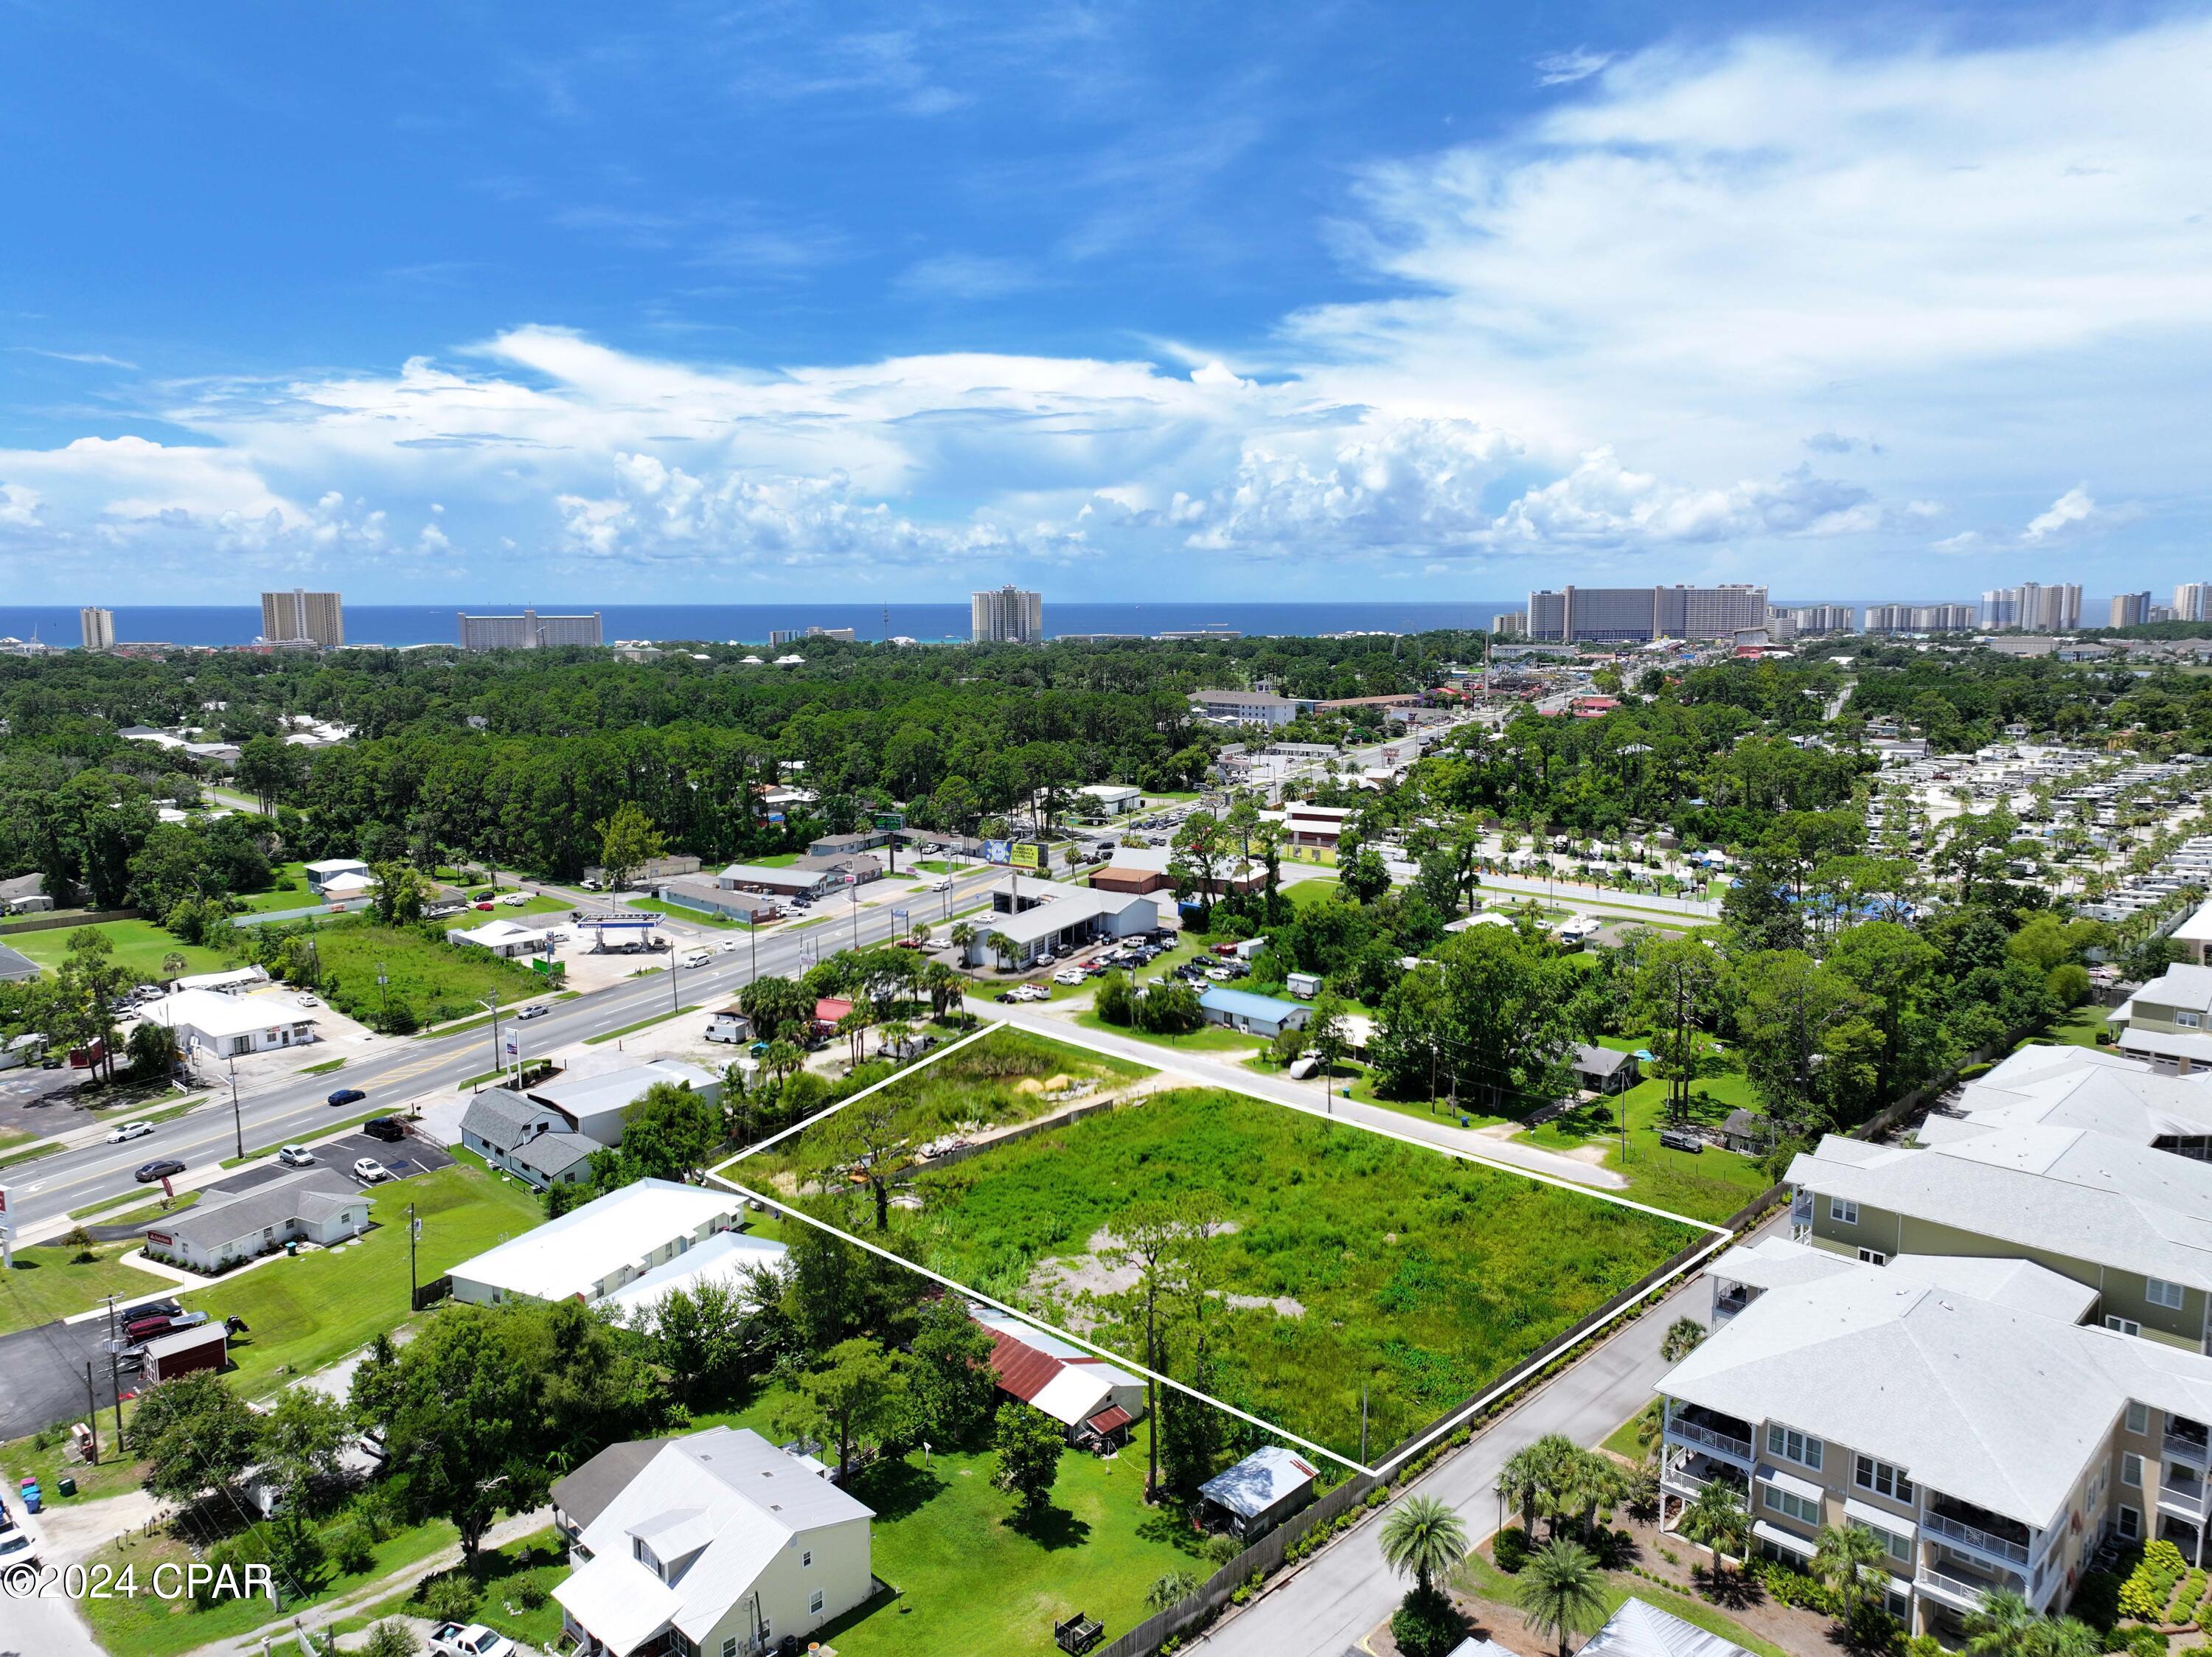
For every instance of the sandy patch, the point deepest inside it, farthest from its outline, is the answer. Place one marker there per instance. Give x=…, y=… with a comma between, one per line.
x=1070, y=1282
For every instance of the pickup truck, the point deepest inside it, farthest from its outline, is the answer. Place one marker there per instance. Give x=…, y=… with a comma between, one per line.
x=474, y=1640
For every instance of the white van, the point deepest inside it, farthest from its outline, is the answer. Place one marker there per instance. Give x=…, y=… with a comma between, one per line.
x=698, y=957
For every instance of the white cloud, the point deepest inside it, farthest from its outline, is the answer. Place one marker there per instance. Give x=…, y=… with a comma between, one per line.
x=19, y=506
x=1565, y=67
x=2069, y=511
x=1601, y=503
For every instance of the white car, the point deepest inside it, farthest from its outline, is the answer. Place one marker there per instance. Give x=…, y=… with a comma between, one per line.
x=1032, y=992
x=514, y=899
x=369, y=1171
x=1067, y=975
x=453, y=1640
x=942, y=883
x=124, y=1130
x=536, y=1009
x=309, y=1000
x=296, y=1156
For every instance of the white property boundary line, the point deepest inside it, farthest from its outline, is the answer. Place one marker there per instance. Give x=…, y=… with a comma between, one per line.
x=1723, y=1237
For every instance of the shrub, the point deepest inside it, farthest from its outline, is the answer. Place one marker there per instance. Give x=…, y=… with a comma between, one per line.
x=1511, y=1548
x=1427, y=1624
x=449, y=1598
x=531, y=1593
x=352, y=1549
x=2146, y=1643
x=391, y=1638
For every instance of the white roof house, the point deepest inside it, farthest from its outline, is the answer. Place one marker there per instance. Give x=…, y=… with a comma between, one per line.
x=1640, y=1629
x=723, y=1260
x=596, y=1102
x=714, y=1536
x=1777, y=1263
x=2123, y=1098
x=500, y=937
x=236, y=981
x=231, y=1025
x=590, y=1253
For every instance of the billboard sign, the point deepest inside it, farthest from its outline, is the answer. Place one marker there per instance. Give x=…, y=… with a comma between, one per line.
x=891, y=819
x=997, y=851
x=1028, y=856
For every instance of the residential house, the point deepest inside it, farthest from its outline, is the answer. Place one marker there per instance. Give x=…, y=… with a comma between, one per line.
x=1602, y=1070
x=24, y=895
x=724, y=1261
x=1259, y=1493
x=1251, y=1014
x=1987, y=1445
x=590, y=1251
x=533, y=1141
x=718, y=1545
x=1094, y=1400
x=2166, y=1021
x=16, y=967
x=596, y=1104
x=314, y=1206
x=324, y=870
x=1640, y=1629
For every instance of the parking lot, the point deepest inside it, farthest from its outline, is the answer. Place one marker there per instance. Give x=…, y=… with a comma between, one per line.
x=410, y=1155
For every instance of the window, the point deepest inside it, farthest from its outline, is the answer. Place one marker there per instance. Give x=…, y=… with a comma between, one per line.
x=2130, y=1523
x=2138, y=1418
x=2187, y=1021
x=806, y=1559
x=2125, y=1325
x=1842, y=1212
x=814, y=1605
x=2131, y=1469
x=1896, y=1546
x=1798, y=1507
x=2158, y=1292
x=1873, y=1257
x=1792, y=1445
x=730, y=1646
x=1881, y=1478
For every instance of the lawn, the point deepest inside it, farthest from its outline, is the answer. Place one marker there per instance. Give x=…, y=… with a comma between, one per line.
x=290, y=891
x=1356, y=1261
x=306, y=1313
x=1708, y=1184
x=498, y=1575
x=1303, y=894
x=140, y=947
x=46, y=1284
x=1207, y=1039
x=2079, y=1028
x=435, y=981
x=695, y=917
x=113, y=1475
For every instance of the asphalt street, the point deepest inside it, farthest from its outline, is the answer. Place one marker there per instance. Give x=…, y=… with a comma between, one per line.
x=396, y=1072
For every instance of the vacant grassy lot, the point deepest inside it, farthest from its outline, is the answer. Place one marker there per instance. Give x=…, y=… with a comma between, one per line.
x=45, y=1283
x=438, y=981
x=140, y=947
x=289, y=890
x=1355, y=1260
x=308, y=1312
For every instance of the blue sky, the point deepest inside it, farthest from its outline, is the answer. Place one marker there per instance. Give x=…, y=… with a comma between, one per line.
x=1336, y=300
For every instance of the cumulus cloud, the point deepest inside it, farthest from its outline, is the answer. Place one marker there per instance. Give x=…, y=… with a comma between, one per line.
x=2069, y=511
x=1603, y=503
x=1565, y=67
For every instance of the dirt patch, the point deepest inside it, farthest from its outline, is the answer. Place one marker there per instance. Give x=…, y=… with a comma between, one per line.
x=1071, y=1281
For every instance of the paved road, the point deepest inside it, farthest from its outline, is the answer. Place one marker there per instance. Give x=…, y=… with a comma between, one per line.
x=1347, y=1589
x=295, y=1108
x=1218, y=1070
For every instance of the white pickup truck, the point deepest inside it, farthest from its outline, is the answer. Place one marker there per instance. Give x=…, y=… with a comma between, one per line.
x=453, y=1640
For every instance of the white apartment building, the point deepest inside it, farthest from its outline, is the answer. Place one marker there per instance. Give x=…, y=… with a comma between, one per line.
x=1008, y=616
x=1954, y=1408
x=2033, y=607
x=97, y=627
x=1640, y=614
x=298, y=616
x=527, y=631
x=590, y=1253
x=2192, y=600
x=2131, y=609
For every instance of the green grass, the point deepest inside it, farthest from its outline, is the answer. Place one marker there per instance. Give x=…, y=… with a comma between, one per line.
x=643, y=1024
x=1209, y=1039
x=969, y=1580
x=498, y=1575
x=106, y=1203
x=139, y=948
x=112, y=1474
x=938, y=865
x=1622, y=1440
x=439, y=980
x=308, y=1312
x=153, y=1211
x=44, y=1285
x=1708, y=1184
x=1421, y=1277
x=695, y=917
x=45, y=1148
x=777, y=860
x=324, y=1068
x=1478, y=1577
x=1304, y=893
x=293, y=895
x=2079, y=1028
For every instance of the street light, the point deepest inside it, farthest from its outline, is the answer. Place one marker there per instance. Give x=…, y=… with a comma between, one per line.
x=492, y=1007
x=237, y=1122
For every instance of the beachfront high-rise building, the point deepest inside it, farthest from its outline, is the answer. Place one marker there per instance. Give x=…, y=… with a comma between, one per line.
x=1822, y=618
x=98, y=626
x=2131, y=609
x=1008, y=616
x=2192, y=600
x=1635, y=615
x=1919, y=617
x=2033, y=607
x=302, y=617
x=527, y=631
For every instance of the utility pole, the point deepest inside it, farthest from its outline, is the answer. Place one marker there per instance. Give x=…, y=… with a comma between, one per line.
x=237, y=1121
x=492, y=1007
x=114, y=1370
x=92, y=1412
x=1363, y=1421
x=414, y=1232
x=383, y=992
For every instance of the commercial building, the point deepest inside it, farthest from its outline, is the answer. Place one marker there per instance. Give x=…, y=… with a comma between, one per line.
x=1146, y=869
x=1307, y=824
x=793, y=635
x=300, y=616
x=718, y=1545
x=1249, y=707
x=590, y=1253
x=597, y=1102
x=1512, y=624
x=1822, y=618
x=2131, y=609
x=315, y=1205
x=528, y=631
x=724, y=1261
x=229, y=1027
x=1954, y=1408
x=1009, y=616
x=1640, y=614
x=97, y=627
x=1043, y=919
x=2033, y=607
x=1249, y=1014
x=1110, y=799
x=503, y=938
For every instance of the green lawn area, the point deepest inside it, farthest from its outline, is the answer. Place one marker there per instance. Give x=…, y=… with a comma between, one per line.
x=1356, y=1261
x=1211, y=1039
x=2079, y=1028
x=112, y=1476
x=44, y=1285
x=939, y=866
x=140, y=947
x=290, y=891
x=1622, y=1440
x=1303, y=893
x=146, y=1213
x=1707, y=1185
x=308, y=1312
x=969, y=1580
x=1480, y=1579
x=438, y=981
x=695, y=917
x=777, y=860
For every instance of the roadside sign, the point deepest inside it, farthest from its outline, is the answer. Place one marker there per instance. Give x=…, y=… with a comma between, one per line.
x=1027, y=855
x=997, y=851
x=891, y=819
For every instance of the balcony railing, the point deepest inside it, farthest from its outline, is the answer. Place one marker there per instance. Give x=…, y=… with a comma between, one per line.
x=1964, y=1588
x=2186, y=1497
x=1723, y=1442
x=2188, y=1449
x=1727, y=1305
x=1974, y=1536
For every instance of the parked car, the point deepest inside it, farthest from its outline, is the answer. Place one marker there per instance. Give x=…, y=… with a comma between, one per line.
x=347, y=1096
x=161, y=1168
x=485, y=904
x=18, y=1548
x=1069, y=975
x=390, y=1129
x=1679, y=1139
x=139, y=1331
x=536, y=1009
x=309, y=1000
x=371, y=1444
x=453, y=1640
x=127, y=1130
x=514, y=899
x=296, y=1156
x=369, y=1171
x=155, y=1309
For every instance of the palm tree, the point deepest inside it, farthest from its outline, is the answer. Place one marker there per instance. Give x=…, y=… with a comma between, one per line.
x=1423, y=1535
x=1717, y=1521
x=1680, y=1339
x=2002, y=1627
x=1561, y=1591
x=1001, y=946
x=1519, y=1485
x=173, y=967
x=1170, y=1587
x=1847, y=1555
x=963, y=934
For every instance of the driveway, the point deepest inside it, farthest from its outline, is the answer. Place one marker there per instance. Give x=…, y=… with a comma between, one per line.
x=42, y=1374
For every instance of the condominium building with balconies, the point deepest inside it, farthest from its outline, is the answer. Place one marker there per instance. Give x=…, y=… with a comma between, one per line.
x=1953, y=1407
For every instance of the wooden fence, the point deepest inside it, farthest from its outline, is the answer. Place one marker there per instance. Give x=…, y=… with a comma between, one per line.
x=49, y=922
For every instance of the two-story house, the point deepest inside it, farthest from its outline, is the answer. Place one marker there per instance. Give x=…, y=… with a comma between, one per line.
x=2068, y=1087
x=1986, y=1445
x=2169, y=1020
